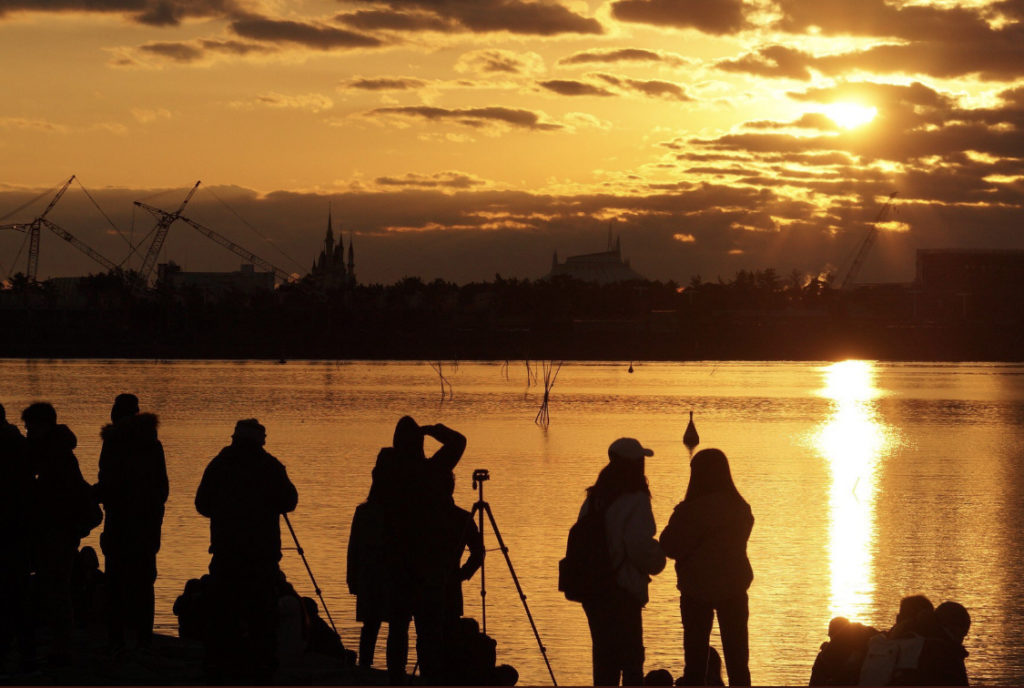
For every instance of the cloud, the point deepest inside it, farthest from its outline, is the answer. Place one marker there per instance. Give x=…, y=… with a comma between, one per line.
x=474, y=117
x=310, y=102
x=147, y=115
x=234, y=47
x=470, y=234
x=33, y=125
x=623, y=55
x=190, y=52
x=574, y=88
x=527, y=17
x=402, y=83
x=811, y=120
x=391, y=20
x=151, y=12
x=499, y=62
x=444, y=180
x=942, y=41
x=178, y=52
x=653, y=88
x=709, y=16
x=315, y=36
x=772, y=61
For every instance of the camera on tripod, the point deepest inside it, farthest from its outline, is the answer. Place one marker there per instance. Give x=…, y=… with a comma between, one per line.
x=480, y=475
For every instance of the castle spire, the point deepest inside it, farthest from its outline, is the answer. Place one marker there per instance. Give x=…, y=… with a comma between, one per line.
x=351, y=259
x=329, y=239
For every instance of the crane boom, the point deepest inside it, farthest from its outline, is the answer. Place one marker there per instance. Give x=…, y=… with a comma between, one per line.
x=80, y=245
x=238, y=250
x=865, y=246
x=162, y=227
x=33, y=232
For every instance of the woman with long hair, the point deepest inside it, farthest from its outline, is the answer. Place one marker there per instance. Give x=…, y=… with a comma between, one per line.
x=707, y=536
x=621, y=493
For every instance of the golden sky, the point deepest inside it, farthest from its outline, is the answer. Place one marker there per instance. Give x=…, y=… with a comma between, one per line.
x=463, y=138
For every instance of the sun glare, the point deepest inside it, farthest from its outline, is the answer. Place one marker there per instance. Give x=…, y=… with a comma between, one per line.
x=852, y=442
x=850, y=115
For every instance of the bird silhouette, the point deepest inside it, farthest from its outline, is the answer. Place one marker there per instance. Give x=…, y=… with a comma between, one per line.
x=690, y=438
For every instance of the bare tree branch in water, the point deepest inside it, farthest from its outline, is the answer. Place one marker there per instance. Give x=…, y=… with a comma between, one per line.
x=550, y=372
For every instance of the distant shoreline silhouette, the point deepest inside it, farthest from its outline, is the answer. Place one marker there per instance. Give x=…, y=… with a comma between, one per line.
x=755, y=316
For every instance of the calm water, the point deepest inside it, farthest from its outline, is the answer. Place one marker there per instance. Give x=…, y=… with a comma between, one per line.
x=868, y=482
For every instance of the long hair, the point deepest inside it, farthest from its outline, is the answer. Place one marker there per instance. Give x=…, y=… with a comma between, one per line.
x=709, y=473
x=617, y=478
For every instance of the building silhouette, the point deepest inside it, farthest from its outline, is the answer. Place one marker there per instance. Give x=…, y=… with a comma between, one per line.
x=606, y=267
x=972, y=284
x=246, y=280
x=329, y=268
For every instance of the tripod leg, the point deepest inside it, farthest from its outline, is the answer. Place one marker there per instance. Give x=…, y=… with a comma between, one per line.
x=519, y=588
x=478, y=509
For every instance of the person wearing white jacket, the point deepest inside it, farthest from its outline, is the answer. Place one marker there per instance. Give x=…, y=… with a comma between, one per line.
x=615, y=619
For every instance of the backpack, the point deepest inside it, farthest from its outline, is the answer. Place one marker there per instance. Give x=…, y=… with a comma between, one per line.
x=586, y=571
x=890, y=661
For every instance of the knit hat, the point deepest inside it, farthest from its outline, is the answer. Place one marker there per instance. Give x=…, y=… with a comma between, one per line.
x=124, y=405
x=250, y=430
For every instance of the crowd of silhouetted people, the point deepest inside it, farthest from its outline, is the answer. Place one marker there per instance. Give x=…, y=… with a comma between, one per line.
x=407, y=560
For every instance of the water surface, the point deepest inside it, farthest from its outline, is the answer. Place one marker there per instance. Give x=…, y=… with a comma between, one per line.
x=868, y=481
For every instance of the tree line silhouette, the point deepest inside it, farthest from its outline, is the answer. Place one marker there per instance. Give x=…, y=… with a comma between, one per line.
x=756, y=315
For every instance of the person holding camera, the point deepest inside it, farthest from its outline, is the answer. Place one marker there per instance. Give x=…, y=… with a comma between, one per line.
x=415, y=511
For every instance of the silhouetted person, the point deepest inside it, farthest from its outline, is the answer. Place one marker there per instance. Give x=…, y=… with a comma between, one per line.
x=707, y=536
x=190, y=608
x=658, y=677
x=244, y=491
x=88, y=588
x=133, y=488
x=840, y=658
x=914, y=610
x=16, y=488
x=924, y=648
x=942, y=657
x=615, y=619
x=415, y=513
x=64, y=513
x=461, y=535
x=370, y=571
x=321, y=638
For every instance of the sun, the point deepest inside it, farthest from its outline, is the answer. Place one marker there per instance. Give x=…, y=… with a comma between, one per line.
x=850, y=115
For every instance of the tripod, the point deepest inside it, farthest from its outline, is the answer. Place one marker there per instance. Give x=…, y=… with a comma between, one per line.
x=481, y=475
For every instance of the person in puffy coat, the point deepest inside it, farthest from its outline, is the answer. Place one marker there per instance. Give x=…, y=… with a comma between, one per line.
x=62, y=515
x=707, y=536
x=133, y=488
x=616, y=619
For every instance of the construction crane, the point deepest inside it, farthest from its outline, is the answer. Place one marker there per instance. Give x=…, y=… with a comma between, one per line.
x=33, y=229
x=162, y=227
x=166, y=219
x=80, y=245
x=865, y=246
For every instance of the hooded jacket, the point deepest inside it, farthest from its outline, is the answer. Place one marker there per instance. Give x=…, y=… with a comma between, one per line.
x=15, y=493
x=132, y=483
x=707, y=537
x=635, y=554
x=59, y=483
x=243, y=492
